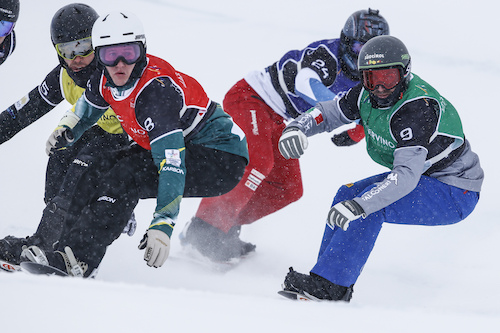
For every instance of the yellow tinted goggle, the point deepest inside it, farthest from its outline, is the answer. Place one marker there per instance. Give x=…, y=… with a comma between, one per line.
x=77, y=48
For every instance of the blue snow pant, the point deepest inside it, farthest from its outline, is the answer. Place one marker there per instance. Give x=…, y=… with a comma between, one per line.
x=343, y=254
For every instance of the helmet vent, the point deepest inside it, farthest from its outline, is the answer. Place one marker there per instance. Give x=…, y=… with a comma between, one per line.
x=118, y=28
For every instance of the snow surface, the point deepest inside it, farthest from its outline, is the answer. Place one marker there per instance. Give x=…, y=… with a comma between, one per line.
x=418, y=279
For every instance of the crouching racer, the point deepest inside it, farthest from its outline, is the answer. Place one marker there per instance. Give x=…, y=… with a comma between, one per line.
x=261, y=103
x=186, y=146
x=435, y=178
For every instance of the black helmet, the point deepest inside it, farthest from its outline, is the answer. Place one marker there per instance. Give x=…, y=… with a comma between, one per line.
x=360, y=27
x=72, y=22
x=9, y=10
x=385, y=52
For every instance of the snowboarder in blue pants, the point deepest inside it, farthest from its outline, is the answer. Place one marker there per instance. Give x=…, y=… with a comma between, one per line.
x=435, y=177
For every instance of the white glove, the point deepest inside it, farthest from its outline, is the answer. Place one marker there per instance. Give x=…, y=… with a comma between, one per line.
x=60, y=138
x=157, y=247
x=292, y=143
x=344, y=212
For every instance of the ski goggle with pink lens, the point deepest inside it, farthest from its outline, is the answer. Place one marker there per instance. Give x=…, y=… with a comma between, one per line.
x=111, y=55
x=76, y=48
x=387, y=78
x=6, y=28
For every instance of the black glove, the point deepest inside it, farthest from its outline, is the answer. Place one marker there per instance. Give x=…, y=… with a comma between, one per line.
x=343, y=140
x=344, y=212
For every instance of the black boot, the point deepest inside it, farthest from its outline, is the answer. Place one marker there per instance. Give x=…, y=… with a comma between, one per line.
x=46, y=236
x=213, y=242
x=11, y=248
x=51, y=225
x=316, y=286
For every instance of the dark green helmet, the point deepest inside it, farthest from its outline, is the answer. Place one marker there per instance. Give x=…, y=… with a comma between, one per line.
x=384, y=52
x=72, y=22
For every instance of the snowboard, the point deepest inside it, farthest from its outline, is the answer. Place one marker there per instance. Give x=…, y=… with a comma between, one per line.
x=296, y=296
x=8, y=267
x=39, y=269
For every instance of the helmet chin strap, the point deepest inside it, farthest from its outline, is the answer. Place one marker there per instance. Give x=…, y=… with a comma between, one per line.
x=83, y=75
x=396, y=95
x=348, y=70
x=392, y=99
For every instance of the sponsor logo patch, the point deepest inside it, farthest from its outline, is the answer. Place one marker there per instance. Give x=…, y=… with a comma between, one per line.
x=317, y=115
x=376, y=190
x=22, y=102
x=375, y=55
x=251, y=185
x=255, y=127
x=80, y=162
x=173, y=169
x=394, y=177
x=254, y=179
x=173, y=157
x=106, y=198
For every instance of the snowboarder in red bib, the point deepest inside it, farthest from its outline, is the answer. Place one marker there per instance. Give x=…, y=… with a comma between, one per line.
x=186, y=146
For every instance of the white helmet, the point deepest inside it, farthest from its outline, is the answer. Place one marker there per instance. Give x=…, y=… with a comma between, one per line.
x=117, y=28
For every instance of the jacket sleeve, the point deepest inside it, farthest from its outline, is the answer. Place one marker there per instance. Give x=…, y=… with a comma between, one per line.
x=404, y=177
x=22, y=114
x=157, y=110
x=325, y=117
x=87, y=110
x=169, y=156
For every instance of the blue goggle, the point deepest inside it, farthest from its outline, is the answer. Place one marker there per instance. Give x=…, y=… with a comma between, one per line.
x=6, y=28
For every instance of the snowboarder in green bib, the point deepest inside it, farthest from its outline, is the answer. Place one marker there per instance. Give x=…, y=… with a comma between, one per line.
x=434, y=176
